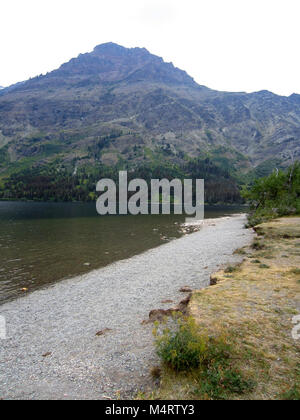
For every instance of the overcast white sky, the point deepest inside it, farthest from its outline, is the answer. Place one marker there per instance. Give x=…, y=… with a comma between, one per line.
x=233, y=45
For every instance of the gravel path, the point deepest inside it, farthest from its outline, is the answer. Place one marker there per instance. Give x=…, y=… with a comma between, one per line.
x=63, y=319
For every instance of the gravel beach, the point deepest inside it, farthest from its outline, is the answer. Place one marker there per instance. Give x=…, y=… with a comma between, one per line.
x=52, y=350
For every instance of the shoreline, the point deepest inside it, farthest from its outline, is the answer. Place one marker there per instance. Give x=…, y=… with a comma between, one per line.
x=61, y=322
x=254, y=306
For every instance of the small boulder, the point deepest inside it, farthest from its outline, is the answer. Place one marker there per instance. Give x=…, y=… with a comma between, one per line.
x=213, y=281
x=185, y=289
x=184, y=303
x=160, y=314
x=102, y=332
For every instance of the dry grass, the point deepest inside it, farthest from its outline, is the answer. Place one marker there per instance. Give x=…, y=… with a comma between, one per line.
x=255, y=307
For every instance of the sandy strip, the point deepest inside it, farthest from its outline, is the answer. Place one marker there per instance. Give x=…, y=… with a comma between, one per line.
x=61, y=321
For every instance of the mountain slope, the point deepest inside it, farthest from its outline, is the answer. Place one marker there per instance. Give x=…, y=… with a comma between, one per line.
x=117, y=105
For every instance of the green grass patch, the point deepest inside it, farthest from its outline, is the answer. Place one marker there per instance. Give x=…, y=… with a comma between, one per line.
x=256, y=262
x=264, y=266
x=231, y=269
x=292, y=394
x=240, y=251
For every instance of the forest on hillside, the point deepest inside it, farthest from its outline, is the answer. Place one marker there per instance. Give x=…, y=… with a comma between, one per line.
x=57, y=182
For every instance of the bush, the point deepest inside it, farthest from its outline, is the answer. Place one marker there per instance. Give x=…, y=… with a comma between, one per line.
x=230, y=269
x=182, y=348
x=209, y=360
x=264, y=266
x=257, y=245
x=274, y=196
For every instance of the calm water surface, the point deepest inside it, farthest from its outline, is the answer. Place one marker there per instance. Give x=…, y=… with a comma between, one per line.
x=41, y=243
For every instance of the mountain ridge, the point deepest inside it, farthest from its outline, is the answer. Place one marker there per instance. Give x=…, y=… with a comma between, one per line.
x=118, y=104
x=109, y=47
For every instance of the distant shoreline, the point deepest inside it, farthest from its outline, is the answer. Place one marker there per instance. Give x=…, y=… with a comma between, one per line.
x=19, y=200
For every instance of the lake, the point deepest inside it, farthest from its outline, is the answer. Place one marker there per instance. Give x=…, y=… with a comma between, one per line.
x=42, y=243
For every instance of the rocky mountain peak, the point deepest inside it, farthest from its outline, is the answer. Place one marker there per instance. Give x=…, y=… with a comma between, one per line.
x=110, y=49
x=295, y=98
x=111, y=63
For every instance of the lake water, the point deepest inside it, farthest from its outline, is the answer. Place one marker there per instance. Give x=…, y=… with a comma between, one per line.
x=41, y=243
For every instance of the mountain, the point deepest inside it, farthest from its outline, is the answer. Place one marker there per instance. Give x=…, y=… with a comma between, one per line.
x=125, y=106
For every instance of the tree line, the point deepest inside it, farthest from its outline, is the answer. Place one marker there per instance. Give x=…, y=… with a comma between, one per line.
x=57, y=182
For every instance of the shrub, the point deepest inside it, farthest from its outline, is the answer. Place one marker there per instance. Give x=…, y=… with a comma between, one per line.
x=210, y=361
x=264, y=266
x=230, y=269
x=240, y=251
x=258, y=245
x=182, y=348
x=274, y=196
